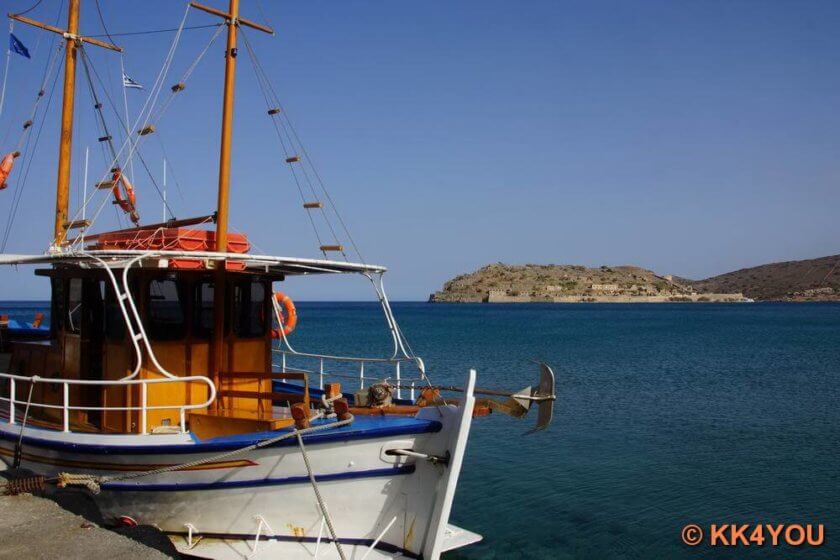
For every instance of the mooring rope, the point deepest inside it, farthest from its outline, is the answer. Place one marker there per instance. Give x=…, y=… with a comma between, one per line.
x=320, y=499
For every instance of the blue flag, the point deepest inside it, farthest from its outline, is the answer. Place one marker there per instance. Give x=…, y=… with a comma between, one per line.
x=16, y=46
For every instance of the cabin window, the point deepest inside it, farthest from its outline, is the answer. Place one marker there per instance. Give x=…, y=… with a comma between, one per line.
x=203, y=310
x=74, y=306
x=165, y=311
x=114, y=319
x=249, y=309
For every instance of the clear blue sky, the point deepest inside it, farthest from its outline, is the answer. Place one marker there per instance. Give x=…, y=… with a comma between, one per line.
x=692, y=138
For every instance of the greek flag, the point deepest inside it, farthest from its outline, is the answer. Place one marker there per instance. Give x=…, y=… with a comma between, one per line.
x=16, y=46
x=128, y=82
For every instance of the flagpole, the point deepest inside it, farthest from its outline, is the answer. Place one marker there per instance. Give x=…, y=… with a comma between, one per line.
x=164, y=190
x=84, y=184
x=127, y=121
x=6, y=71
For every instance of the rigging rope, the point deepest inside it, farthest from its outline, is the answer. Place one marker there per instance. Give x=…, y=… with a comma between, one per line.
x=289, y=153
x=152, y=31
x=29, y=155
x=6, y=71
x=88, y=68
x=29, y=9
x=321, y=503
x=273, y=100
x=131, y=144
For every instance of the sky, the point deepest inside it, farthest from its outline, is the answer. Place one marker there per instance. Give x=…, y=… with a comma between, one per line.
x=691, y=138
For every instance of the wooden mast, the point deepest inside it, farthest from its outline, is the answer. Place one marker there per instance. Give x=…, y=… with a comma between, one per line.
x=65, y=146
x=233, y=21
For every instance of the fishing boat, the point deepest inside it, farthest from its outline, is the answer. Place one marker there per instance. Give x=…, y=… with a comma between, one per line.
x=169, y=388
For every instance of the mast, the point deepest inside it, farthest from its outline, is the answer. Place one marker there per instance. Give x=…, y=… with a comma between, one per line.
x=74, y=41
x=227, y=130
x=233, y=21
x=65, y=145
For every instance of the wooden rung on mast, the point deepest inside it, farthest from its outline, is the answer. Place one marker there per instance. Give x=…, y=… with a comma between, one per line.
x=178, y=87
x=338, y=248
x=98, y=106
x=312, y=205
x=274, y=111
x=77, y=224
x=27, y=124
x=293, y=159
x=104, y=138
x=148, y=130
x=105, y=185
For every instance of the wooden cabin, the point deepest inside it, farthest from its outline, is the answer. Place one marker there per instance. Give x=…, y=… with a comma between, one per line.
x=175, y=297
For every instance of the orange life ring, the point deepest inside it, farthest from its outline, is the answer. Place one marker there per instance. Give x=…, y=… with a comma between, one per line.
x=128, y=203
x=6, y=168
x=288, y=320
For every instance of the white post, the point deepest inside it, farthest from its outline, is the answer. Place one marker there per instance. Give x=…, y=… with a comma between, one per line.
x=164, y=190
x=127, y=119
x=66, y=407
x=412, y=391
x=6, y=73
x=362, y=376
x=399, y=390
x=144, y=396
x=12, y=388
x=321, y=375
x=84, y=184
x=183, y=421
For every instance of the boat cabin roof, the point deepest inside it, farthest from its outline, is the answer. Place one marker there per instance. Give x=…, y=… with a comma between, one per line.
x=265, y=264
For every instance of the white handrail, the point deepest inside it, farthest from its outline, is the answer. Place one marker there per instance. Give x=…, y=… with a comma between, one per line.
x=143, y=408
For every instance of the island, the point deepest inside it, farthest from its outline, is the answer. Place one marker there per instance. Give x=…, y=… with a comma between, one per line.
x=796, y=281
x=534, y=283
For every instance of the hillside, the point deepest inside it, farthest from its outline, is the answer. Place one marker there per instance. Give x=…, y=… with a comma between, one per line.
x=808, y=280
x=501, y=283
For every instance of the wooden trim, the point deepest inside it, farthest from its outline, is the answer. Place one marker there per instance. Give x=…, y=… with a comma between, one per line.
x=46, y=27
x=275, y=396
x=226, y=16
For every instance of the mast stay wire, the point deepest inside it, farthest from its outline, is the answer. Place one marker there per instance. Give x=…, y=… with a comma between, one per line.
x=153, y=114
x=302, y=146
x=152, y=31
x=30, y=156
x=290, y=152
x=264, y=87
x=6, y=71
x=35, y=52
x=130, y=143
x=25, y=136
x=88, y=66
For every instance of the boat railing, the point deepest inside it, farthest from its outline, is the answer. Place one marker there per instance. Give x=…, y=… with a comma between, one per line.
x=364, y=370
x=66, y=407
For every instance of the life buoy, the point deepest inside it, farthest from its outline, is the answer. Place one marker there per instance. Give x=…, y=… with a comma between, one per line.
x=128, y=203
x=288, y=320
x=6, y=168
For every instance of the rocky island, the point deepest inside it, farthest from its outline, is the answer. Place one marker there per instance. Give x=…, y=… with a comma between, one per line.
x=532, y=283
x=798, y=281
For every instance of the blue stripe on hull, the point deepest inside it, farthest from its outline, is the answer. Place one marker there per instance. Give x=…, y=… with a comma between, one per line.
x=372, y=473
x=362, y=428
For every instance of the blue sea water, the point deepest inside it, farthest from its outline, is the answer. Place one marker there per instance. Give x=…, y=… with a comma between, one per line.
x=667, y=414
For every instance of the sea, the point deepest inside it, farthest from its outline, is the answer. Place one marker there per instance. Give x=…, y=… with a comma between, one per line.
x=666, y=415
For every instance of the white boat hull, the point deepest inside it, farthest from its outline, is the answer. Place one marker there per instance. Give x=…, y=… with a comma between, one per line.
x=400, y=504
